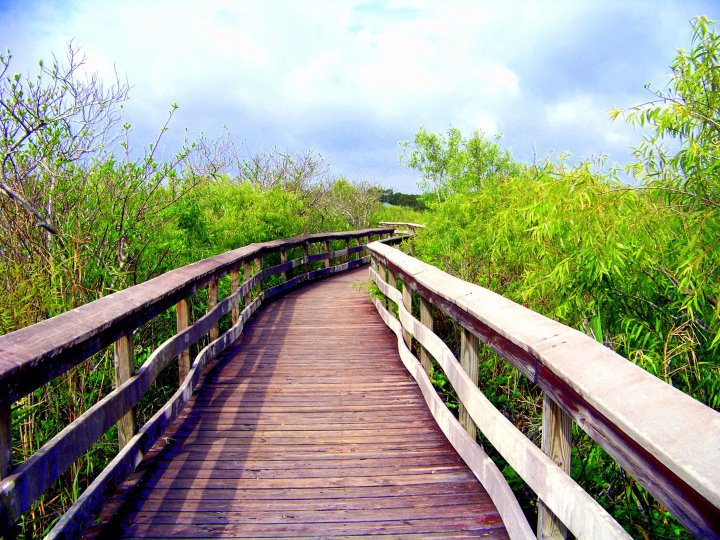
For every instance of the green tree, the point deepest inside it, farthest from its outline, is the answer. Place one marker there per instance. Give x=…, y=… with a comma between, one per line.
x=682, y=155
x=451, y=163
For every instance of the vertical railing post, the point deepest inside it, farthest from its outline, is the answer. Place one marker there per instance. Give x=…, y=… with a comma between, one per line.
x=234, y=285
x=5, y=441
x=327, y=250
x=248, y=267
x=258, y=268
x=182, y=311
x=283, y=260
x=556, y=444
x=407, y=302
x=212, y=302
x=469, y=345
x=383, y=271
x=427, y=320
x=347, y=250
x=306, y=255
x=124, y=369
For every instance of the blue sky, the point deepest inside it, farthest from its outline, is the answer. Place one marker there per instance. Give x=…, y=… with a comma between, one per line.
x=350, y=80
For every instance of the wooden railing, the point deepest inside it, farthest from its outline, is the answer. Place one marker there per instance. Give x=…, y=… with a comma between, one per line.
x=33, y=356
x=666, y=440
x=402, y=227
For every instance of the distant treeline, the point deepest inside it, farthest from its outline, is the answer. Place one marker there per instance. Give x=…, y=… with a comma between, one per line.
x=402, y=199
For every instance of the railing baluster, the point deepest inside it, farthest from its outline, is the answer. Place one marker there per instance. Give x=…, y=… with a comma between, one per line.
x=327, y=249
x=257, y=268
x=5, y=441
x=469, y=345
x=212, y=302
x=283, y=260
x=124, y=369
x=427, y=319
x=383, y=271
x=407, y=302
x=347, y=250
x=248, y=267
x=234, y=285
x=306, y=254
x=557, y=444
x=182, y=310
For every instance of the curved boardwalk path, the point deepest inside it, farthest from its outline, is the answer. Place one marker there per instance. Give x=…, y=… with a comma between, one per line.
x=309, y=426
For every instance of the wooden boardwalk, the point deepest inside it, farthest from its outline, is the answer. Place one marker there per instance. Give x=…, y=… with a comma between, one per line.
x=308, y=426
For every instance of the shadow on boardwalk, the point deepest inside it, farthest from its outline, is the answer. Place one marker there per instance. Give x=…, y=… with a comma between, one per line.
x=308, y=426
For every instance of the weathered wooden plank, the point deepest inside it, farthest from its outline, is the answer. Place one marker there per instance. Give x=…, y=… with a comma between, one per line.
x=427, y=320
x=292, y=505
x=651, y=429
x=5, y=441
x=328, y=250
x=234, y=285
x=182, y=311
x=407, y=303
x=124, y=369
x=283, y=260
x=469, y=345
x=212, y=302
x=326, y=493
x=293, y=530
x=239, y=516
x=248, y=269
x=557, y=445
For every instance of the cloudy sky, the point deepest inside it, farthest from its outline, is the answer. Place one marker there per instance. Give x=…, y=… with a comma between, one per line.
x=351, y=79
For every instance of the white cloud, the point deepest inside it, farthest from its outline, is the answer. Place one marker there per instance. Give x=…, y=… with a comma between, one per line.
x=307, y=73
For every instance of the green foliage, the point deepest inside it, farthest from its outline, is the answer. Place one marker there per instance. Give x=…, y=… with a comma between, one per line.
x=402, y=199
x=687, y=116
x=451, y=163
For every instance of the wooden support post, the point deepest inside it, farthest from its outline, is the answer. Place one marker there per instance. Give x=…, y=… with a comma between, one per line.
x=347, y=250
x=124, y=369
x=383, y=271
x=212, y=302
x=327, y=250
x=182, y=310
x=5, y=442
x=258, y=266
x=556, y=443
x=306, y=254
x=283, y=260
x=469, y=345
x=407, y=302
x=234, y=285
x=248, y=268
x=427, y=320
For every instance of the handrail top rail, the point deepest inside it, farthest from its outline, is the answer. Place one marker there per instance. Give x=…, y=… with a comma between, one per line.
x=415, y=225
x=47, y=347
x=679, y=431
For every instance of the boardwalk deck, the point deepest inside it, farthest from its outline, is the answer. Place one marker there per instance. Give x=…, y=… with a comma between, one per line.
x=308, y=426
